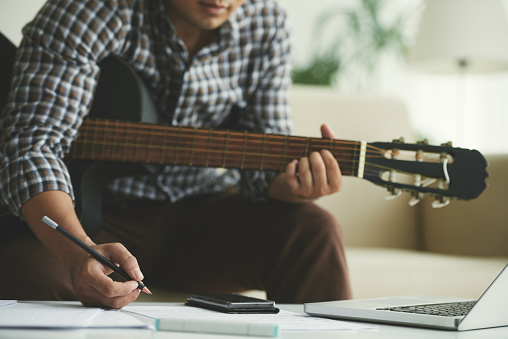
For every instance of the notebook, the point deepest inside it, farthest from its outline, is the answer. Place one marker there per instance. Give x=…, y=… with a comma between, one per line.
x=490, y=310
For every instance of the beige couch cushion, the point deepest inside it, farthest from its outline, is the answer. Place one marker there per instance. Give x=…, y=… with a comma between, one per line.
x=382, y=272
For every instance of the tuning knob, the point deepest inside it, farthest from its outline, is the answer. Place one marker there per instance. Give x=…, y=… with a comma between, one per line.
x=416, y=198
x=440, y=202
x=393, y=193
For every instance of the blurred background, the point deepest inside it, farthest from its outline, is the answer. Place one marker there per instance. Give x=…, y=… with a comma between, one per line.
x=378, y=47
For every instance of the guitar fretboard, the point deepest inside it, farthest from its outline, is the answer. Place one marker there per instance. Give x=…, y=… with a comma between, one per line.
x=124, y=141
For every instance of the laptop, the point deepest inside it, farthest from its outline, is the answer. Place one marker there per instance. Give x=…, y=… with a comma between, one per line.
x=450, y=313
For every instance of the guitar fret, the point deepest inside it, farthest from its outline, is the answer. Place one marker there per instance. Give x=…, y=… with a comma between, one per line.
x=243, y=149
x=175, y=161
x=163, y=149
x=124, y=148
x=307, y=147
x=150, y=143
x=192, y=146
x=355, y=156
x=136, y=144
x=115, y=133
x=224, y=152
x=102, y=146
x=208, y=147
x=284, y=150
x=263, y=153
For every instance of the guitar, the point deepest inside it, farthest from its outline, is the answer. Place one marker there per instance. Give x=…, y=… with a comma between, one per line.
x=122, y=129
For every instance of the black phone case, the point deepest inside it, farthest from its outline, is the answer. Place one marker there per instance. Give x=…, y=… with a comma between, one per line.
x=225, y=303
x=266, y=310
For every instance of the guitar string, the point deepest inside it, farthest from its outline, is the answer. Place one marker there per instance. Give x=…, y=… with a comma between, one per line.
x=124, y=137
x=165, y=129
x=317, y=143
x=103, y=125
x=221, y=152
x=205, y=147
x=276, y=164
x=216, y=156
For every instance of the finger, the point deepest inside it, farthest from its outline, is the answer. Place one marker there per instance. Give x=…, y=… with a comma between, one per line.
x=305, y=175
x=327, y=132
x=317, y=164
x=98, y=280
x=94, y=287
x=117, y=253
x=291, y=177
x=96, y=298
x=333, y=173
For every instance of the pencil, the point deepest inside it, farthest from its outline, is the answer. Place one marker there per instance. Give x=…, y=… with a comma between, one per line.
x=92, y=252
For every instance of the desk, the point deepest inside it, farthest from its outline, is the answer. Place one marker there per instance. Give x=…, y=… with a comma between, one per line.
x=380, y=332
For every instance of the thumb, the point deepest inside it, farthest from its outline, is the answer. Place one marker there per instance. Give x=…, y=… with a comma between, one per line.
x=327, y=132
x=122, y=257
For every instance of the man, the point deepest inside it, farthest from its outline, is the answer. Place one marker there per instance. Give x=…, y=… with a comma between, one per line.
x=206, y=63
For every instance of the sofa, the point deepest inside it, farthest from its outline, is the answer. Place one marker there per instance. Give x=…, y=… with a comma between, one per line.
x=393, y=248
x=397, y=249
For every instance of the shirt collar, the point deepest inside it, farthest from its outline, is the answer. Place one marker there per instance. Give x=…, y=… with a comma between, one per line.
x=228, y=33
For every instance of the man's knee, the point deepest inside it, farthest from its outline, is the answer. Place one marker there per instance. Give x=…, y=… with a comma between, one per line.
x=316, y=222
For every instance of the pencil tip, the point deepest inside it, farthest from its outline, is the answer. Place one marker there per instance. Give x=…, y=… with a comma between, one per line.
x=146, y=290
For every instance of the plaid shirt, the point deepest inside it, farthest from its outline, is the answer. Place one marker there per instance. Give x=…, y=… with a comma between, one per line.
x=246, y=69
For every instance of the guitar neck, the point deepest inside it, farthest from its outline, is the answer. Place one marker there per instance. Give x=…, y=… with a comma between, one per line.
x=124, y=141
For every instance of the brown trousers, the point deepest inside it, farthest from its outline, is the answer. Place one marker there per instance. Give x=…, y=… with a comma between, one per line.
x=217, y=243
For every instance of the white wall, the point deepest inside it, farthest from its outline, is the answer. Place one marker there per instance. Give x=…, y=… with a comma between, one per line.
x=434, y=101
x=14, y=14
x=470, y=110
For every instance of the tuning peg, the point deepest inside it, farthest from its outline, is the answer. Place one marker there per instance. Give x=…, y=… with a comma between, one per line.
x=393, y=193
x=399, y=140
x=440, y=202
x=447, y=144
x=423, y=142
x=413, y=201
x=416, y=198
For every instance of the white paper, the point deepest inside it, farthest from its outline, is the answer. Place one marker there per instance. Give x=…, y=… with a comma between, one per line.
x=114, y=318
x=7, y=302
x=287, y=321
x=45, y=316
x=56, y=315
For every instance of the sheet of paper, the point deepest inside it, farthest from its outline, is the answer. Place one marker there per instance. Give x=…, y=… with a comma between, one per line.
x=45, y=316
x=7, y=302
x=287, y=321
x=114, y=318
x=57, y=315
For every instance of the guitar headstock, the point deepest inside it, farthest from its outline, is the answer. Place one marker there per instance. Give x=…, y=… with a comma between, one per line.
x=444, y=172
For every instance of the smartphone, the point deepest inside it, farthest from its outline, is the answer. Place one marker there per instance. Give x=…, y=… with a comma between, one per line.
x=231, y=303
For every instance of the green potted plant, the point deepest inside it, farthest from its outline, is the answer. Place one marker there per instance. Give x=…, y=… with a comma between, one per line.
x=361, y=35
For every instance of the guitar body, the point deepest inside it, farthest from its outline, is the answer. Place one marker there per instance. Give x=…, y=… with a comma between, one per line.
x=120, y=95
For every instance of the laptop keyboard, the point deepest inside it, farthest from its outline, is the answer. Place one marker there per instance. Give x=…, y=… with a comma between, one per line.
x=445, y=309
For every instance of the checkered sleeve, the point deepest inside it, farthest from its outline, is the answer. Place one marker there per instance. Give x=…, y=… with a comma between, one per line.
x=268, y=109
x=54, y=78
